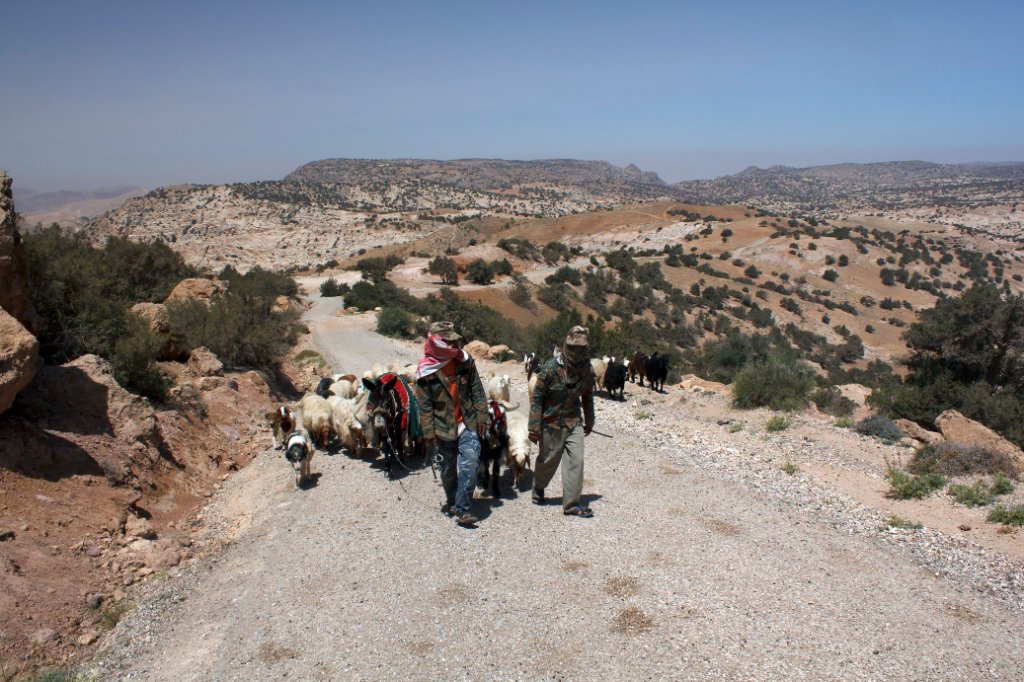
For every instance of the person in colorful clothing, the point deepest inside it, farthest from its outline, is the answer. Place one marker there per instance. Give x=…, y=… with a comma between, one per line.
x=453, y=416
x=561, y=414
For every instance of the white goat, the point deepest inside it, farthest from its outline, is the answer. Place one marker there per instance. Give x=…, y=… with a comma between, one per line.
x=598, y=365
x=518, y=457
x=498, y=389
x=316, y=419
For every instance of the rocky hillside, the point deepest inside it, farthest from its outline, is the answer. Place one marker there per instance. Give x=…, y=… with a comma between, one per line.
x=599, y=177
x=984, y=197
x=330, y=210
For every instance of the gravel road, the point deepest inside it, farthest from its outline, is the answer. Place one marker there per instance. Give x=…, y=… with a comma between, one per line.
x=701, y=562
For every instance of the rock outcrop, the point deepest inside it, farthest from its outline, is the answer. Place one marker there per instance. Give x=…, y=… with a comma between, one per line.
x=956, y=428
x=695, y=384
x=918, y=432
x=19, y=349
x=203, y=363
x=14, y=296
x=19, y=359
x=197, y=289
x=478, y=349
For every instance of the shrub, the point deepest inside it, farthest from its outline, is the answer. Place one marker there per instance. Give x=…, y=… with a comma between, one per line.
x=1011, y=516
x=1002, y=485
x=900, y=522
x=133, y=357
x=903, y=486
x=395, y=322
x=567, y=274
x=330, y=288
x=480, y=272
x=830, y=401
x=790, y=468
x=554, y=296
x=778, y=422
x=975, y=495
x=445, y=268
x=830, y=275
x=845, y=422
x=519, y=293
x=956, y=459
x=735, y=427
x=308, y=357
x=878, y=426
x=779, y=383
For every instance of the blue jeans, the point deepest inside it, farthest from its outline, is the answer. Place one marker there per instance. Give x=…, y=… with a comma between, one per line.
x=459, y=461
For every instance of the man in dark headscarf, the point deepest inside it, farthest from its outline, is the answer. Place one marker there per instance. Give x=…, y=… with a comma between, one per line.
x=561, y=414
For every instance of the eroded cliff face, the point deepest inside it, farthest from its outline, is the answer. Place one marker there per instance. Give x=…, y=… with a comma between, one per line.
x=19, y=349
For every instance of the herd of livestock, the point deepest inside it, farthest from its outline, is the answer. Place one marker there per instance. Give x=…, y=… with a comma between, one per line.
x=378, y=410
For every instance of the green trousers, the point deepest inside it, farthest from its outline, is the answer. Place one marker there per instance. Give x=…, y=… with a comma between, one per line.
x=557, y=443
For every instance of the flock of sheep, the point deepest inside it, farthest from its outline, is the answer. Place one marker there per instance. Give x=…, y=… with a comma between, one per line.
x=339, y=411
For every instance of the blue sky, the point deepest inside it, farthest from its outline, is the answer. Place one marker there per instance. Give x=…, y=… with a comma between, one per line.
x=104, y=93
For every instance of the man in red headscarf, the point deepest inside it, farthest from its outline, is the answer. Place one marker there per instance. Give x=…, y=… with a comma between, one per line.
x=453, y=416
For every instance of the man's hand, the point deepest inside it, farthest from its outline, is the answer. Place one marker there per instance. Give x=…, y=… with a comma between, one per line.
x=481, y=430
x=587, y=428
x=534, y=436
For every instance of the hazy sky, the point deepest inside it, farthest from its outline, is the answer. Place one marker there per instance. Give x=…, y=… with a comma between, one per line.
x=150, y=93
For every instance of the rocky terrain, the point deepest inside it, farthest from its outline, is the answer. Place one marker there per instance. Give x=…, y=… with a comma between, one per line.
x=986, y=198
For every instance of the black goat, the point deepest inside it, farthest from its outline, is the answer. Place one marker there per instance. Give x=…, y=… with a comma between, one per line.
x=657, y=371
x=615, y=379
x=493, y=449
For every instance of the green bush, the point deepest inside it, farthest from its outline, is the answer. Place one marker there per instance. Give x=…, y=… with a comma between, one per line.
x=395, y=322
x=554, y=296
x=1011, y=516
x=778, y=383
x=903, y=486
x=832, y=402
x=480, y=272
x=1002, y=485
x=519, y=293
x=778, y=422
x=878, y=426
x=974, y=495
x=330, y=288
x=445, y=268
x=133, y=360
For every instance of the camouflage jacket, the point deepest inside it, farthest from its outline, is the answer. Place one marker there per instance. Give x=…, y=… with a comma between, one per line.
x=437, y=412
x=557, y=402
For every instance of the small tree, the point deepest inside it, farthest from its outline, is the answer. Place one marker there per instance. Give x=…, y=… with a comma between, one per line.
x=480, y=272
x=330, y=288
x=520, y=292
x=830, y=275
x=445, y=268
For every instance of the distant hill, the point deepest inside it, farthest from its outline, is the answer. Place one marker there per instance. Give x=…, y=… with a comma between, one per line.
x=29, y=201
x=480, y=174
x=68, y=207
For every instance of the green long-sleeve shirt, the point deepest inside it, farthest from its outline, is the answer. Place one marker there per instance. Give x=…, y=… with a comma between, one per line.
x=560, y=399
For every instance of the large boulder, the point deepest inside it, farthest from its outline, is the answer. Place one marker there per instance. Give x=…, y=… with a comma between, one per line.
x=19, y=359
x=918, y=432
x=14, y=296
x=197, y=289
x=155, y=315
x=695, y=384
x=478, y=349
x=956, y=428
x=204, y=363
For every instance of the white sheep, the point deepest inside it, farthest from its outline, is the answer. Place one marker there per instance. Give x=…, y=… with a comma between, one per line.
x=599, y=365
x=518, y=457
x=316, y=419
x=343, y=389
x=343, y=420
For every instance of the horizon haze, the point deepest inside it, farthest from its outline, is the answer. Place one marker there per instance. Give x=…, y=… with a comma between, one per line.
x=114, y=93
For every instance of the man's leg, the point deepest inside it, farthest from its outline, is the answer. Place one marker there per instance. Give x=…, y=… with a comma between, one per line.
x=572, y=467
x=469, y=460
x=552, y=441
x=449, y=469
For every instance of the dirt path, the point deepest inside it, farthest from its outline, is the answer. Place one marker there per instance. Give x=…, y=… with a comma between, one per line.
x=703, y=561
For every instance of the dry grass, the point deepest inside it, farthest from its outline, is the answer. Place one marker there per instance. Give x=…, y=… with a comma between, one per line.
x=575, y=566
x=961, y=612
x=454, y=595
x=632, y=621
x=954, y=459
x=622, y=586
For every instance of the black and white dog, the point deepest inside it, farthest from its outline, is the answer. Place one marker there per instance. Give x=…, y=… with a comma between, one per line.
x=299, y=451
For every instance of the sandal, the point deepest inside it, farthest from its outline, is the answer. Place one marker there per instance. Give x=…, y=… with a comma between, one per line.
x=577, y=510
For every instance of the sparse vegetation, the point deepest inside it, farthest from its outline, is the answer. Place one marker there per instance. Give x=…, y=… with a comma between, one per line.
x=778, y=422
x=1011, y=516
x=904, y=486
x=900, y=522
x=790, y=468
x=330, y=288
x=880, y=427
x=956, y=459
x=778, y=383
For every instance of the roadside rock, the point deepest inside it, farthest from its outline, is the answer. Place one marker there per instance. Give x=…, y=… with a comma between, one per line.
x=918, y=432
x=19, y=359
x=956, y=428
x=197, y=289
x=136, y=527
x=478, y=349
x=131, y=417
x=204, y=363
x=495, y=352
x=695, y=384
